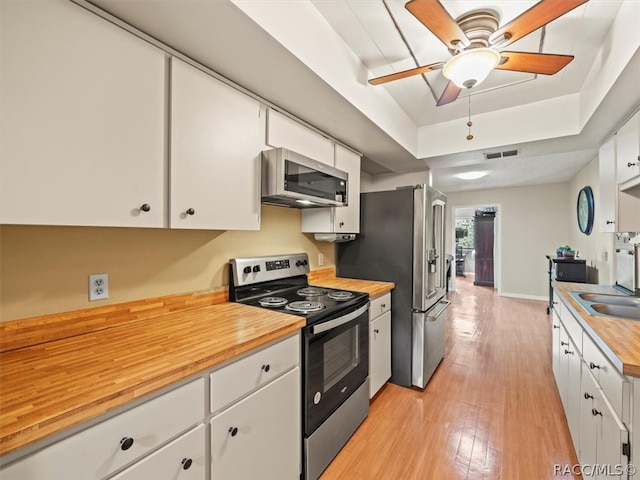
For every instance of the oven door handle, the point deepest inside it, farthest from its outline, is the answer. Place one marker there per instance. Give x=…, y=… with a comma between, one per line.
x=336, y=322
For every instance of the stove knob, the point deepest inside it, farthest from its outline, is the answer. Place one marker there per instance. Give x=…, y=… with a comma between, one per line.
x=246, y=270
x=298, y=263
x=256, y=268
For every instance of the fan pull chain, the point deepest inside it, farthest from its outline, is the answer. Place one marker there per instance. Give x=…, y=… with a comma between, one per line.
x=469, y=122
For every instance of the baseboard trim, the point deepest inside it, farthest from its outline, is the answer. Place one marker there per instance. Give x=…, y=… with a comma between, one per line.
x=524, y=296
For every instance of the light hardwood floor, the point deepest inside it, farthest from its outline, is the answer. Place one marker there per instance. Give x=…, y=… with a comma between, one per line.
x=491, y=411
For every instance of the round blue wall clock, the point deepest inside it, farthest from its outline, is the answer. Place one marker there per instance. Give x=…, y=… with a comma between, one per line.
x=585, y=210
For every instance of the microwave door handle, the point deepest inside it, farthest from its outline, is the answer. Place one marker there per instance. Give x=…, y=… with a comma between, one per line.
x=331, y=324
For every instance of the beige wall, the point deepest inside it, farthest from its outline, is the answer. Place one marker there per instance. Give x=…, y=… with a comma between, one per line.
x=534, y=221
x=44, y=269
x=596, y=248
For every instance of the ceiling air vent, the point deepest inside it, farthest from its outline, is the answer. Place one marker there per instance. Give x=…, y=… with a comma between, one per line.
x=506, y=153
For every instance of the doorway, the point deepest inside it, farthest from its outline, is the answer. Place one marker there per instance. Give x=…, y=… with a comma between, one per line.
x=469, y=259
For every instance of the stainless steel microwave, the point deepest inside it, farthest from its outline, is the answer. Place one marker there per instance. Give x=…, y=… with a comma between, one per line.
x=293, y=180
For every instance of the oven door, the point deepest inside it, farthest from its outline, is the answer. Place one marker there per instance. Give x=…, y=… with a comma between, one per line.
x=336, y=363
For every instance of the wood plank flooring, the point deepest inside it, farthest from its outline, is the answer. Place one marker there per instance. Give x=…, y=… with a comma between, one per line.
x=491, y=411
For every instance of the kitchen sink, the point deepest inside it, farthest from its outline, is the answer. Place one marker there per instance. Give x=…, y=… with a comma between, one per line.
x=610, y=299
x=622, y=311
x=605, y=305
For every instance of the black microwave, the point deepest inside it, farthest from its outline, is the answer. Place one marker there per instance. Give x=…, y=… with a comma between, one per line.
x=569, y=270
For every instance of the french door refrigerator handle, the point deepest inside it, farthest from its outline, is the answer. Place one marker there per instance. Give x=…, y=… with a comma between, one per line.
x=433, y=316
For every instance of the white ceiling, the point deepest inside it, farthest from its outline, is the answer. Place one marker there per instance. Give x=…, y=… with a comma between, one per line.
x=313, y=57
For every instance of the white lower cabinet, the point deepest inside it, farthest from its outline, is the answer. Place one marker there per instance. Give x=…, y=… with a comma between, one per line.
x=603, y=434
x=596, y=398
x=379, y=343
x=182, y=459
x=254, y=420
x=259, y=437
x=101, y=450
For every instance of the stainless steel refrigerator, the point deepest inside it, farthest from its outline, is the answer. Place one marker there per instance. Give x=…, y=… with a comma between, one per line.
x=402, y=241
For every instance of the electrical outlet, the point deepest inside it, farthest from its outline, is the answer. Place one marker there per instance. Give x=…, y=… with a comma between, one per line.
x=320, y=259
x=98, y=287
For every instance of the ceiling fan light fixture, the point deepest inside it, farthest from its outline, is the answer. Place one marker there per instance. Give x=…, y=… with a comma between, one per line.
x=471, y=67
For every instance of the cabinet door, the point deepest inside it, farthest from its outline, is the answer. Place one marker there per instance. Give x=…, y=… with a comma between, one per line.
x=284, y=132
x=216, y=140
x=602, y=433
x=338, y=219
x=628, y=149
x=379, y=352
x=572, y=408
x=588, y=427
x=555, y=344
x=83, y=120
x=260, y=436
x=347, y=219
x=563, y=368
x=608, y=186
x=182, y=459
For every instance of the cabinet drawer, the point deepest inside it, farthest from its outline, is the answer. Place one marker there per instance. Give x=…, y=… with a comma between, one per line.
x=182, y=459
x=233, y=381
x=574, y=329
x=380, y=305
x=614, y=385
x=97, y=451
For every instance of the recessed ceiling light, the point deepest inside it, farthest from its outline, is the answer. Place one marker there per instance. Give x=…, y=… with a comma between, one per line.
x=471, y=175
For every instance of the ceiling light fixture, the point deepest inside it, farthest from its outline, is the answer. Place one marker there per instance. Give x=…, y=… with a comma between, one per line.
x=471, y=67
x=471, y=175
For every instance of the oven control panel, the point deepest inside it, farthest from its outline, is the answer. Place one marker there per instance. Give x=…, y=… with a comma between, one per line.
x=277, y=264
x=246, y=271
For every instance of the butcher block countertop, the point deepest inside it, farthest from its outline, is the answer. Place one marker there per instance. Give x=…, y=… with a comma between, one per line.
x=59, y=370
x=55, y=384
x=616, y=336
x=327, y=278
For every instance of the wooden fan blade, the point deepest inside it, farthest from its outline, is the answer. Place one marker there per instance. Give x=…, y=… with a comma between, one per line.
x=406, y=73
x=537, y=16
x=544, y=63
x=433, y=15
x=450, y=94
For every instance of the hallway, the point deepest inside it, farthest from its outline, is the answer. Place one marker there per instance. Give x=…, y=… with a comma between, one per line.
x=491, y=411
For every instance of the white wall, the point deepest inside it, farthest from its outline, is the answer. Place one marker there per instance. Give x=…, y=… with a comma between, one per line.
x=596, y=248
x=534, y=222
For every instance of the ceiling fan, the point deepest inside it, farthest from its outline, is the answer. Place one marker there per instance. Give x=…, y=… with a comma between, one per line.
x=474, y=39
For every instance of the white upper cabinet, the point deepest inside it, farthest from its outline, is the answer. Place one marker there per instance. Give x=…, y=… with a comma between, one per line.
x=217, y=134
x=83, y=120
x=284, y=132
x=347, y=219
x=628, y=149
x=628, y=175
x=338, y=219
x=608, y=186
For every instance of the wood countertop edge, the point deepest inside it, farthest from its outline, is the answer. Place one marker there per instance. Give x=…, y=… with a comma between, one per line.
x=22, y=437
x=618, y=356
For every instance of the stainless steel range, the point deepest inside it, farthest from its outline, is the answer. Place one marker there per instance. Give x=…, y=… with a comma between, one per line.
x=335, y=348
